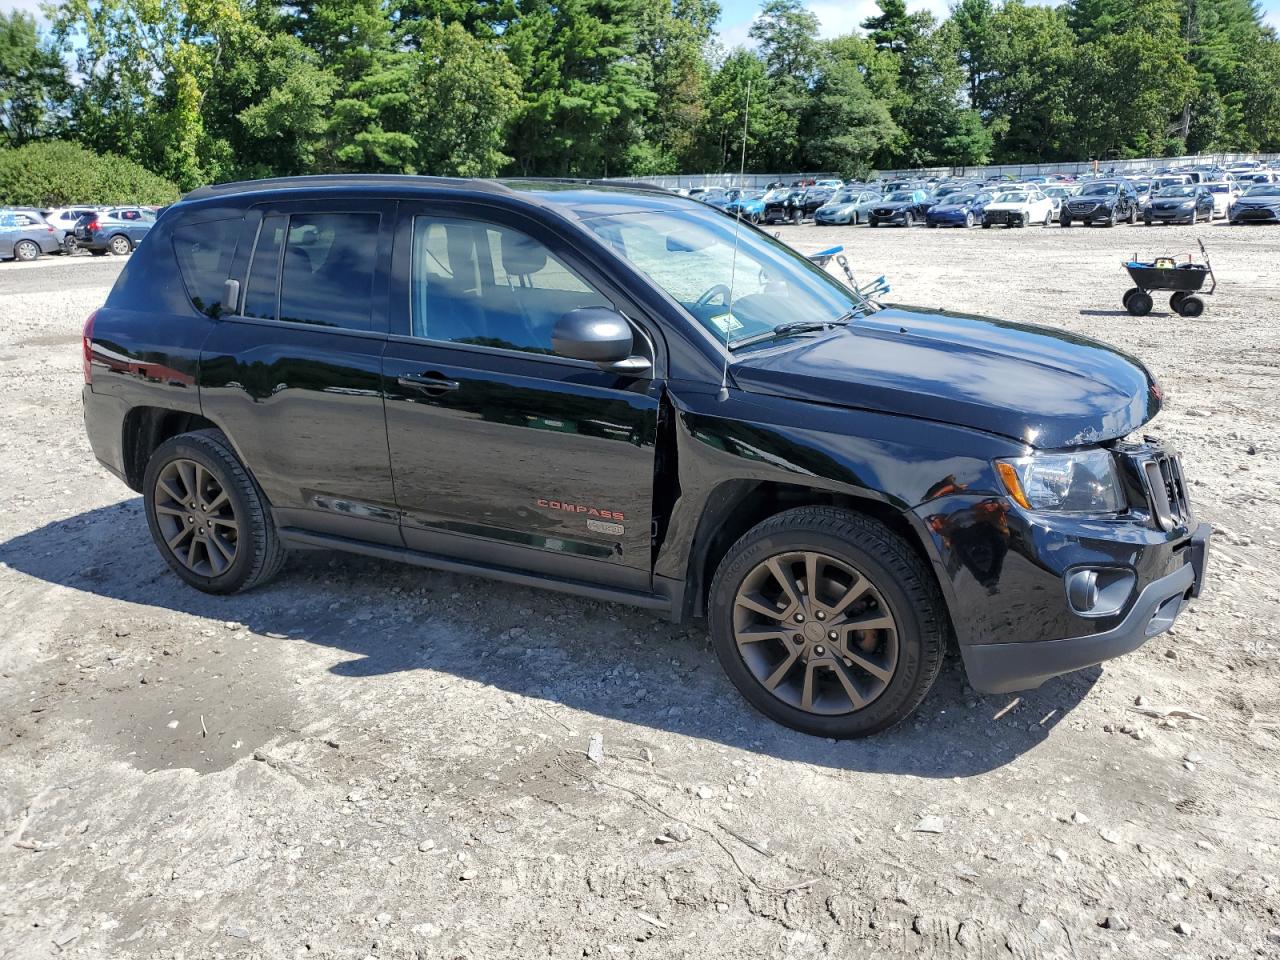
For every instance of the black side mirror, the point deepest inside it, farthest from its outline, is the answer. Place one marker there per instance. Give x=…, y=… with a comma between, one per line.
x=598, y=335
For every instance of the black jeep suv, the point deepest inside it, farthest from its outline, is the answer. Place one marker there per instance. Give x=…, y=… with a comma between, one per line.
x=1102, y=201
x=546, y=383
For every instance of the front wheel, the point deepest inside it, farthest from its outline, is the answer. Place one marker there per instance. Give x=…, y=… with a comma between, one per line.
x=1139, y=304
x=827, y=622
x=208, y=517
x=1194, y=219
x=908, y=219
x=796, y=217
x=968, y=219
x=1191, y=306
x=1133, y=215
x=1048, y=219
x=874, y=222
x=26, y=251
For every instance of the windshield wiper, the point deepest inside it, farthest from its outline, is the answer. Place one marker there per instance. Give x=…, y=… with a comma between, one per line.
x=787, y=329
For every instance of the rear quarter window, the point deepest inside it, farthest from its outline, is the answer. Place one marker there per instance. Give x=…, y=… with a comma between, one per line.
x=204, y=251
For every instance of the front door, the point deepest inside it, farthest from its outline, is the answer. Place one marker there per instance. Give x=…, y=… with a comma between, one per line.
x=503, y=453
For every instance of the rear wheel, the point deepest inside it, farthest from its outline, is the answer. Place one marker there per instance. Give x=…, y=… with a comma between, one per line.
x=1133, y=215
x=1048, y=218
x=26, y=251
x=208, y=517
x=120, y=245
x=1190, y=306
x=827, y=622
x=1127, y=294
x=1175, y=301
x=1139, y=304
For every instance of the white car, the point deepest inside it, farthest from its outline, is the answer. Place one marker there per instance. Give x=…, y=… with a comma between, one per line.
x=1224, y=195
x=1017, y=208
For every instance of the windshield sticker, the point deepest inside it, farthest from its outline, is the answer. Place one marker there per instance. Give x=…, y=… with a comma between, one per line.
x=726, y=323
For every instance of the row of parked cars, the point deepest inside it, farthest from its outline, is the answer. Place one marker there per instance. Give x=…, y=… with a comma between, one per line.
x=27, y=233
x=1246, y=193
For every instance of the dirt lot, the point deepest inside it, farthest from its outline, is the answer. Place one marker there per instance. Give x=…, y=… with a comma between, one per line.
x=368, y=760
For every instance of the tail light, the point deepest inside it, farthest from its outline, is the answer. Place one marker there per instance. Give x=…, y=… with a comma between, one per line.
x=86, y=346
x=91, y=226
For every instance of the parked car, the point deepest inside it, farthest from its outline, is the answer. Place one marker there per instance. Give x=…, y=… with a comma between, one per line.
x=846, y=207
x=778, y=204
x=1018, y=208
x=1101, y=201
x=1059, y=193
x=798, y=205
x=840, y=490
x=116, y=231
x=715, y=197
x=1187, y=204
x=1259, y=204
x=1224, y=194
x=750, y=202
x=25, y=235
x=959, y=209
x=903, y=207
x=63, y=221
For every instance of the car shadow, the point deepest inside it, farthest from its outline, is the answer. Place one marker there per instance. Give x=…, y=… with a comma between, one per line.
x=604, y=659
x=1121, y=313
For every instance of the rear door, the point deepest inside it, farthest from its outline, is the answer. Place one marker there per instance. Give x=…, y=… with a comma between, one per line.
x=294, y=375
x=504, y=453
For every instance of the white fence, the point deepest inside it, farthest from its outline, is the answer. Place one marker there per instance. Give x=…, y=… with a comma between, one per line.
x=750, y=181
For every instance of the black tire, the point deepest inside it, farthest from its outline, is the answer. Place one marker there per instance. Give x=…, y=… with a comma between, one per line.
x=1190, y=307
x=1139, y=304
x=1175, y=301
x=1111, y=219
x=873, y=222
x=897, y=575
x=26, y=251
x=908, y=219
x=258, y=551
x=1088, y=223
x=754, y=218
x=968, y=219
x=1065, y=221
x=1133, y=215
x=1194, y=218
x=120, y=245
x=986, y=225
x=853, y=220
x=1048, y=219
x=98, y=253
x=796, y=217
x=1147, y=221
x=1127, y=294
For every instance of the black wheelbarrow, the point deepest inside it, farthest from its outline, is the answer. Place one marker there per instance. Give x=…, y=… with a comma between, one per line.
x=1185, y=279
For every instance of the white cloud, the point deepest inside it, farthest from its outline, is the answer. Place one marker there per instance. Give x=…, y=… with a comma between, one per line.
x=26, y=6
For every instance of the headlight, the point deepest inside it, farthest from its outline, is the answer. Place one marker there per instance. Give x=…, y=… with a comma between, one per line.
x=1081, y=482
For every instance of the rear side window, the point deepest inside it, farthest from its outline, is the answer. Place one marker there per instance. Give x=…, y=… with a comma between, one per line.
x=326, y=272
x=204, y=252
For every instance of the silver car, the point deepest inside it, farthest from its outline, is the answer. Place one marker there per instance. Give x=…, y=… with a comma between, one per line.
x=24, y=235
x=846, y=207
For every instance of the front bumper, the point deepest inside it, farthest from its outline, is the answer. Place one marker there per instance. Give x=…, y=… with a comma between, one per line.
x=1169, y=216
x=1256, y=215
x=1006, y=667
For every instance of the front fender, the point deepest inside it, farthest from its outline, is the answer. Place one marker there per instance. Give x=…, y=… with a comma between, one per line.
x=723, y=449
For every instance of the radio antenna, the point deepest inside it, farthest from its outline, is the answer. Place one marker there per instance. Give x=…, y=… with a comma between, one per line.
x=737, y=226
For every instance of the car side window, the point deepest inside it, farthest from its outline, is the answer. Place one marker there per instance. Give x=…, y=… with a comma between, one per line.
x=204, y=251
x=325, y=276
x=489, y=285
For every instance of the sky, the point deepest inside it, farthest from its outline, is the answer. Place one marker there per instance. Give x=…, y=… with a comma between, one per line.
x=836, y=16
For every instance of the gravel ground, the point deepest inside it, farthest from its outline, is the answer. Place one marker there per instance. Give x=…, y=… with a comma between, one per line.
x=370, y=760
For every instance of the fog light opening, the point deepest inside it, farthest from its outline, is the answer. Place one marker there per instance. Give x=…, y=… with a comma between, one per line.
x=1099, y=592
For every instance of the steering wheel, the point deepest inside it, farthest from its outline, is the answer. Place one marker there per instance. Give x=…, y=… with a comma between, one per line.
x=713, y=291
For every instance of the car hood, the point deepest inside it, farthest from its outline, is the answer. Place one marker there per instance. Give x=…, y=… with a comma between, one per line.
x=893, y=204
x=1267, y=201
x=1008, y=204
x=1045, y=387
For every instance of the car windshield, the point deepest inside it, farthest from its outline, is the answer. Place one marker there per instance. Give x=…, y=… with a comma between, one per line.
x=1100, y=190
x=845, y=196
x=1219, y=188
x=1178, y=191
x=959, y=198
x=691, y=255
x=1012, y=196
x=1264, y=190
x=900, y=196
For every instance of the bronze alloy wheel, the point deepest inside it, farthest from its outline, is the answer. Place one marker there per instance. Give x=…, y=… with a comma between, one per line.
x=815, y=632
x=196, y=518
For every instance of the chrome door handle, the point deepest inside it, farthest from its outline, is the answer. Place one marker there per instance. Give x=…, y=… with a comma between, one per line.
x=429, y=383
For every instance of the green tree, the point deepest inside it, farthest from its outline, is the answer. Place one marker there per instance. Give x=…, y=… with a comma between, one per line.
x=787, y=34
x=847, y=126
x=583, y=101
x=33, y=81
x=475, y=93
x=1028, y=88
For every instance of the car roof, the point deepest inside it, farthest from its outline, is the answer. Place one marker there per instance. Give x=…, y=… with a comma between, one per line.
x=579, y=198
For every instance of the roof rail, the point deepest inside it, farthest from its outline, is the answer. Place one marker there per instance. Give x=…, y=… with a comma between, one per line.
x=343, y=180
x=590, y=182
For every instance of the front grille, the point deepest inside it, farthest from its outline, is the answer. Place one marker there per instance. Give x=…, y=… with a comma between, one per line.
x=1167, y=490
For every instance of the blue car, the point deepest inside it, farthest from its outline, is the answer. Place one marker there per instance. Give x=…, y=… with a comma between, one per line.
x=115, y=231
x=958, y=210
x=749, y=202
x=24, y=235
